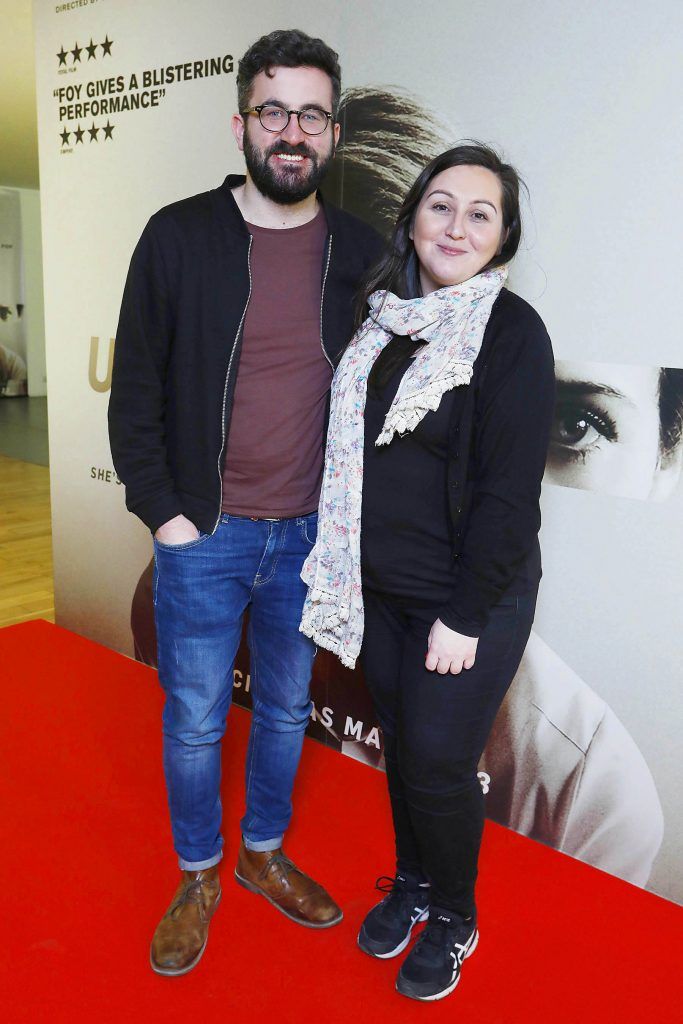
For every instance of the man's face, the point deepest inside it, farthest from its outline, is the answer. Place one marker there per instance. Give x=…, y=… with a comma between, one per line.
x=287, y=166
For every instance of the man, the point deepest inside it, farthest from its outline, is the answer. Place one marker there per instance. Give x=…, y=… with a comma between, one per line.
x=237, y=306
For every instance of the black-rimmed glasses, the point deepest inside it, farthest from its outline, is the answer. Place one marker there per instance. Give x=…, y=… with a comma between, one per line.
x=275, y=118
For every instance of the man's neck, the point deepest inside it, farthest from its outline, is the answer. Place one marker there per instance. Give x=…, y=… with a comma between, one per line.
x=265, y=213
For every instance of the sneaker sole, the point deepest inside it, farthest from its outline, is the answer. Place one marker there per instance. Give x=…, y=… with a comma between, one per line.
x=392, y=952
x=406, y=990
x=170, y=972
x=297, y=920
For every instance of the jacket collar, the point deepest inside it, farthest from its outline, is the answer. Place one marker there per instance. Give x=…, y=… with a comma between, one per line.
x=330, y=212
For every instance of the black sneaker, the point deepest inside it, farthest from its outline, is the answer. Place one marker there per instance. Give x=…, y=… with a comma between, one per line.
x=432, y=968
x=385, y=932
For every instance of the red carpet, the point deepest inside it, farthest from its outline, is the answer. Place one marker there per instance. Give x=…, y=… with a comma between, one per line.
x=88, y=869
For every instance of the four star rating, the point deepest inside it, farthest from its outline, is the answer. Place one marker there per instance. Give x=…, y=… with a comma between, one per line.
x=93, y=132
x=83, y=54
x=91, y=48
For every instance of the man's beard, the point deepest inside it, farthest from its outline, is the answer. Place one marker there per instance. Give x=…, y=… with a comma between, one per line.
x=286, y=185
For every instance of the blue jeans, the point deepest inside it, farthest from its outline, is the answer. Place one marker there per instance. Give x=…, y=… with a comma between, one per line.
x=201, y=591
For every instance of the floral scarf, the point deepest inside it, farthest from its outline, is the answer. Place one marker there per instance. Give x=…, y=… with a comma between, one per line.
x=452, y=321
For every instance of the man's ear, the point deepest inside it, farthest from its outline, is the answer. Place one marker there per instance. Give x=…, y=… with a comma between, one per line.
x=237, y=125
x=667, y=474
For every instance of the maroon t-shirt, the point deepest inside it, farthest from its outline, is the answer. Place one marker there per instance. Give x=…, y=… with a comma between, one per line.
x=274, y=457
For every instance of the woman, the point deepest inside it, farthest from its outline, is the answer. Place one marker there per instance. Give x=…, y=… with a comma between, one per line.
x=427, y=560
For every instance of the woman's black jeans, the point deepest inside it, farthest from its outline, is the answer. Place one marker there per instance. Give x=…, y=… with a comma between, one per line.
x=435, y=730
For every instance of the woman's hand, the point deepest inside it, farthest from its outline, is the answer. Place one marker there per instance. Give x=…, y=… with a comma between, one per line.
x=448, y=651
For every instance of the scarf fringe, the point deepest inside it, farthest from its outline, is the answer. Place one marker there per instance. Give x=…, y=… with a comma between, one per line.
x=409, y=413
x=325, y=624
x=328, y=643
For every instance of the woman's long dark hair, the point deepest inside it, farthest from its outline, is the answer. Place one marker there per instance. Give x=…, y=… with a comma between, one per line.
x=670, y=409
x=398, y=270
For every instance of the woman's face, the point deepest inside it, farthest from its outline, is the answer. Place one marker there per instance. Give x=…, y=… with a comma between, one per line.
x=606, y=430
x=458, y=226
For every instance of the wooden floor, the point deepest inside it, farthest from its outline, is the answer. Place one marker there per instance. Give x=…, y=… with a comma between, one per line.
x=23, y=429
x=26, y=589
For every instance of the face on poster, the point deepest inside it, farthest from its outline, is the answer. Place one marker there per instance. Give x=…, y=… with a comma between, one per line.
x=594, y=263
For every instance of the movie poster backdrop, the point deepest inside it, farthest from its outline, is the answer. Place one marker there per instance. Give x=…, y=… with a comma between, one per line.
x=134, y=112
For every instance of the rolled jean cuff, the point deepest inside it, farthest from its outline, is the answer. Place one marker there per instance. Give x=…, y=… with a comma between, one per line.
x=263, y=845
x=199, y=865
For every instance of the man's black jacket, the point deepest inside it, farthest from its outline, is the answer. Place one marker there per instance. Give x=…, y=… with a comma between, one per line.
x=178, y=347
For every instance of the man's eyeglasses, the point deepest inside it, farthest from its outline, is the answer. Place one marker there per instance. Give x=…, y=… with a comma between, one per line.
x=274, y=118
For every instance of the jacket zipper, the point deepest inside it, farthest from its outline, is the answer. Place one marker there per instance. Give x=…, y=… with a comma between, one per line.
x=322, y=299
x=225, y=386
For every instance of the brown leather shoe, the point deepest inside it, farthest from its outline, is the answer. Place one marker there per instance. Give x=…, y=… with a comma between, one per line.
x=182, y=933
x=274, y=876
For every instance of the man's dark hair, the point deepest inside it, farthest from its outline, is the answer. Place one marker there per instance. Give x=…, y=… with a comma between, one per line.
x=286, y=48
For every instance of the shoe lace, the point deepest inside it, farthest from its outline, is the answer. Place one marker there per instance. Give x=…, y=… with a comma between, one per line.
x=387, y=884
x=440, y=935
x=192, y=893
x=434, y=934
x=396, y=890
x=281, y=862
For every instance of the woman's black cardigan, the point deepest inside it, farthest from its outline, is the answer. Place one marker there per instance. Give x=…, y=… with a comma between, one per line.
x=498, y=445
